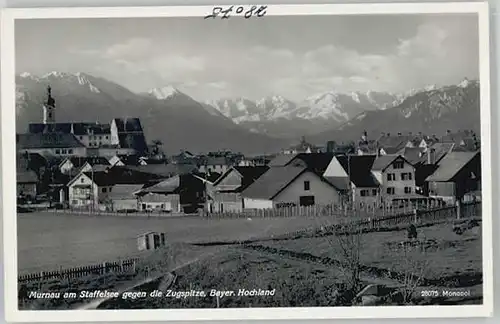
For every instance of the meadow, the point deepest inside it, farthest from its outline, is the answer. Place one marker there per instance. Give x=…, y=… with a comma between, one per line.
x=47, y=241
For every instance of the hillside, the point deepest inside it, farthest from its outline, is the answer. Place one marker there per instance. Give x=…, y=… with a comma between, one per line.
x=430, y=111
x=178, y=121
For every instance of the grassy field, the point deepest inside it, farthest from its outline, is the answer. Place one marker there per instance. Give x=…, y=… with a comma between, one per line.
x=47, y=241
x=447, y=254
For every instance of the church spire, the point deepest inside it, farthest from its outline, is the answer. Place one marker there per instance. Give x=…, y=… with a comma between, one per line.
x=49, y=108
x=50, y=100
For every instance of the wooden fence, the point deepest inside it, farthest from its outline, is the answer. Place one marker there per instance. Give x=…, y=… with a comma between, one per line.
x=121, y=266
x=416, y=217
x=340, y=211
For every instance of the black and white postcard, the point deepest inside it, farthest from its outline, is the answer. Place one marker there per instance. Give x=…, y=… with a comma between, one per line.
x=247, y=162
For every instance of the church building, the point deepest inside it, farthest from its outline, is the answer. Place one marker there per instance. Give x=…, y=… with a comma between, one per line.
x=120, y=136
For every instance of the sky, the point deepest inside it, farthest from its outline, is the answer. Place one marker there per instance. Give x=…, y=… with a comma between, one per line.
x=295, y=56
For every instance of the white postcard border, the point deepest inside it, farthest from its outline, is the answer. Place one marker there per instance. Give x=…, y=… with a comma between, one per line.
x=8, y=177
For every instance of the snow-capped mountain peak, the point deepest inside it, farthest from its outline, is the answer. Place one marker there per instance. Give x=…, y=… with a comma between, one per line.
x=164, y=92
x=78, y=77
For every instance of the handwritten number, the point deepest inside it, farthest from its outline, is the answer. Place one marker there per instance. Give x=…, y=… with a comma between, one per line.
x=262, y=11
x=249, y=13
x=225, y=13
x=215, y=12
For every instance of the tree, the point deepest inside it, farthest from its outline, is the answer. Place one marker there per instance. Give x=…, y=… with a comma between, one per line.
x=156, y=147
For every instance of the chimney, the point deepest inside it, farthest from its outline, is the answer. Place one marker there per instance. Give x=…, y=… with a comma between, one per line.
x=430, y=156
x=448, y=132
x=399, y=134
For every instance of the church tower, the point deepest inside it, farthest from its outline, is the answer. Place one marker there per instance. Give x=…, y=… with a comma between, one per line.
x=49, y=108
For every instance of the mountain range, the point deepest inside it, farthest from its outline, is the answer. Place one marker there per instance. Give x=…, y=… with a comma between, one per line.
x=261, y=126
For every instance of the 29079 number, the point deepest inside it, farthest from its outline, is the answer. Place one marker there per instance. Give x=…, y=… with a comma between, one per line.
x=429, y=293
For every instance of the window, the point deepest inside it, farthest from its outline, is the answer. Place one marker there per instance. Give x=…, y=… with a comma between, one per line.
x=307, y=185
x=398, y=165
x=306, y=200
x=81, y=137
x=70, y=151
x=74, y=202
x=390, y=191
x=107, y=137
x=58, y=151
x=364, y=193
x=110, y=188
x=82, y=180
x=406, y=176
x=391, y=176
x=374, y=192
x=50, y=115
x=407, y=190
x=100, y=137
x=104, y=190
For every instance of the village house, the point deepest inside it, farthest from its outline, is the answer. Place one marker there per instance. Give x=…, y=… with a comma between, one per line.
x=56, y=144
x=124, y=159
x=90, y=190
x=396, y=177
x=219, y=164
x=464, y=140
x=226, y=191
x=81, y=163
x=182, y=193
x=289, y=186
x=27, y=181
x=122, y=198
x=458, y=173
x=353, y=173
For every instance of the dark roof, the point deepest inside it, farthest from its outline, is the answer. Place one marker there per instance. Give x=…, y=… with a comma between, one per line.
x=273, y=182
x=451, y=164
x=131, y=159
x=249, y=175
x=131, y=175
x=413, y=154
x=26, y=177
x=133, y=141
x=124, y=191
x=82, y=128
x=92, y=160
x=394, y=141
x=393, y=150
x=91, y=128
x=125, y=125
x=47, y=140
x=359, y=167
x=383, y=161
x=438, y=150
x=30, y=161
x=164, y=170
x=282, y=160
x=316, y=161
x=175, y=185
x=216, y=160
x=101, y=178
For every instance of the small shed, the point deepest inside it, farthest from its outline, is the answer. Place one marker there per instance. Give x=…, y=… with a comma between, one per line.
x=150, y=241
